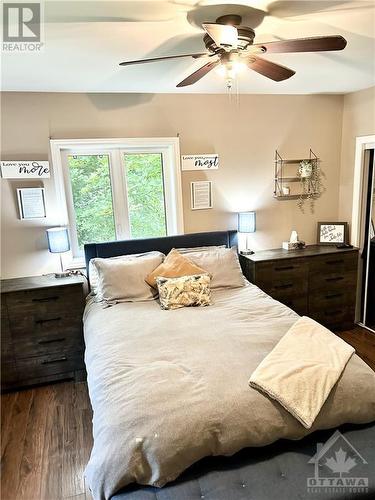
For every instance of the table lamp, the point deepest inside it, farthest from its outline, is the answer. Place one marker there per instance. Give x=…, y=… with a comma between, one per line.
x=246, y=224
x=58, y=242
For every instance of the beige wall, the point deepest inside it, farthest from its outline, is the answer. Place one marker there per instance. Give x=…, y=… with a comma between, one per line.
x=358, y=120
x=245, y=136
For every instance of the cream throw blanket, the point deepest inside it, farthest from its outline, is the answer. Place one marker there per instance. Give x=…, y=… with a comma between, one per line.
x=302, y=368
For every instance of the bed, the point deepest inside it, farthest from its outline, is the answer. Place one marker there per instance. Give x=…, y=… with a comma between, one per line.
x=169, y=390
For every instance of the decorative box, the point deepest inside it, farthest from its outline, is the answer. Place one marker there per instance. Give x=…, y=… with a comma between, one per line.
x=293, y=245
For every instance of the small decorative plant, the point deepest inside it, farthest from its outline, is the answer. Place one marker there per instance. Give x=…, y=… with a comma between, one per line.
x=311, y=184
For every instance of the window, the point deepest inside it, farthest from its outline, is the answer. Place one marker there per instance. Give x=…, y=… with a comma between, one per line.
x=118, y=188
x=92, y=198
x=145, y=185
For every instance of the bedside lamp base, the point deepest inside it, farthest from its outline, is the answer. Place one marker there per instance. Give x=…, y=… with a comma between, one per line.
x=246, y=252
x=63, y=274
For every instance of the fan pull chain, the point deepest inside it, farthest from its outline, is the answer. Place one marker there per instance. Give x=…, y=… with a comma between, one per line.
x=237, y=92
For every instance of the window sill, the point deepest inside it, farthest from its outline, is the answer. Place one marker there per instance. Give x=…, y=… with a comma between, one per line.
x=76, y=263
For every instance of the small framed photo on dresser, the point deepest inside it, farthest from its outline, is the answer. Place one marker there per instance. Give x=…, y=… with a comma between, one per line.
x=333, y=233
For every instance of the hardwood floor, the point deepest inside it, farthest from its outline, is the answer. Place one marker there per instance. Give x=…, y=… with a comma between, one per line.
x=46, y=442
x=363, y=342
x=46, y=435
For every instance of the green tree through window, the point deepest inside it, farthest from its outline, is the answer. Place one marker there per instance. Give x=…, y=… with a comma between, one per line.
x=144, y=173
x=92, y=198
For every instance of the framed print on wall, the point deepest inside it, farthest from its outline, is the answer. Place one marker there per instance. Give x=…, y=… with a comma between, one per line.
x=332, y=233
x=31, y=203
x=201, y=195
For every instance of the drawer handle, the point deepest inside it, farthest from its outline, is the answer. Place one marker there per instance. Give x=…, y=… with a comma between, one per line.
x=329, y=262
x=57, y=360
x=285, y=268
x=46, y=299
x=41, y=321
x=287, y=285
x=51, y=341
x=335, y=279
x=333, y=296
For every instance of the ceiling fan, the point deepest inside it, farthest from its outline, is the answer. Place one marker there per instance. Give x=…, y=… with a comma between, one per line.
x=231, y=46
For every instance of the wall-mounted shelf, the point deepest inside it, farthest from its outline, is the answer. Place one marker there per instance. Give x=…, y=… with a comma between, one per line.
x=289, y=196
x=291, y=162
x=282, y=178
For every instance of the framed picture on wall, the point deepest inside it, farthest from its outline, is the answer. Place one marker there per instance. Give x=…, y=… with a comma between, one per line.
x=31, y=203
x=333, y=233
x=201, y=195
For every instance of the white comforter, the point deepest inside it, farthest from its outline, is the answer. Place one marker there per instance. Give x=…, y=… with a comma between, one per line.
x=170, y=387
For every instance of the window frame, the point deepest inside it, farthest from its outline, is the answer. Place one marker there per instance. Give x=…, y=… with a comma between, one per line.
x=168, y=147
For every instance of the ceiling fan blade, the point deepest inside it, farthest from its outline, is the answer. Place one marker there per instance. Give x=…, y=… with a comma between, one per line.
x=313, y=44
x=165, y=58
x=200, y=73
x=269, y=69
x=222, y=34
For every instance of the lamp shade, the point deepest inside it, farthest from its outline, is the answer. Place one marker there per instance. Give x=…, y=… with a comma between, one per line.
x=246, y=222
x=58, y=240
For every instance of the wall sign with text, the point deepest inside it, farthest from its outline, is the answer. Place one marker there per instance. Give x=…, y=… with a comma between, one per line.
x=25, y=169
x=332, y=233
x=200, y=162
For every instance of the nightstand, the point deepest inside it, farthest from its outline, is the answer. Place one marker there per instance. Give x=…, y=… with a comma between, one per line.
x=41, y=330
x=317, y=281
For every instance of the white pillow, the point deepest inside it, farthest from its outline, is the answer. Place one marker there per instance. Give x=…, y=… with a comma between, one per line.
x=93, y=273
x=124, y=279
x=223, y=266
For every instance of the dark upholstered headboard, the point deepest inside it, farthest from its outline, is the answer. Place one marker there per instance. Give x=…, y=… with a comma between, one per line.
x=165, y=244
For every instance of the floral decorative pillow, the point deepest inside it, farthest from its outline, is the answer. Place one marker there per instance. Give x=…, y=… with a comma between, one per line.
x=185, y=291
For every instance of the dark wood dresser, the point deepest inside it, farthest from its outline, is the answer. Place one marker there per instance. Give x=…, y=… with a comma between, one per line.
x=317, y=281
x=41, y=330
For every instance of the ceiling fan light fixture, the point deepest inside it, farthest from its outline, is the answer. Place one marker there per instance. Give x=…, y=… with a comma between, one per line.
x=239, y=67
x=229, y=70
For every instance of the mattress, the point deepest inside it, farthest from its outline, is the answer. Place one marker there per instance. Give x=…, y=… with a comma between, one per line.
x=169, y=388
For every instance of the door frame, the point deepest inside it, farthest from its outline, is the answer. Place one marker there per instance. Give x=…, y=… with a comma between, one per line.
x=363, y=143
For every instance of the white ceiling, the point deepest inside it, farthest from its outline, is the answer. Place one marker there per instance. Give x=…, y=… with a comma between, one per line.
x=85, y=41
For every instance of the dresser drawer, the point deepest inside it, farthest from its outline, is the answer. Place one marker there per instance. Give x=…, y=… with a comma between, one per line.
x=285, y=270
x=331, y=299
x=46, y=299
x=339, y=263
x=336, y=318
x=298, y=304
x=43, y=366
x=285, y=288
x=47, y=344
x=9, y=375
x=56, y=323
x=6, y=340
x=333, y=281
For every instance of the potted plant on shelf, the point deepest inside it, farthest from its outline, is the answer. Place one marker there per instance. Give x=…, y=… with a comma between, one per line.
x=311, y=183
